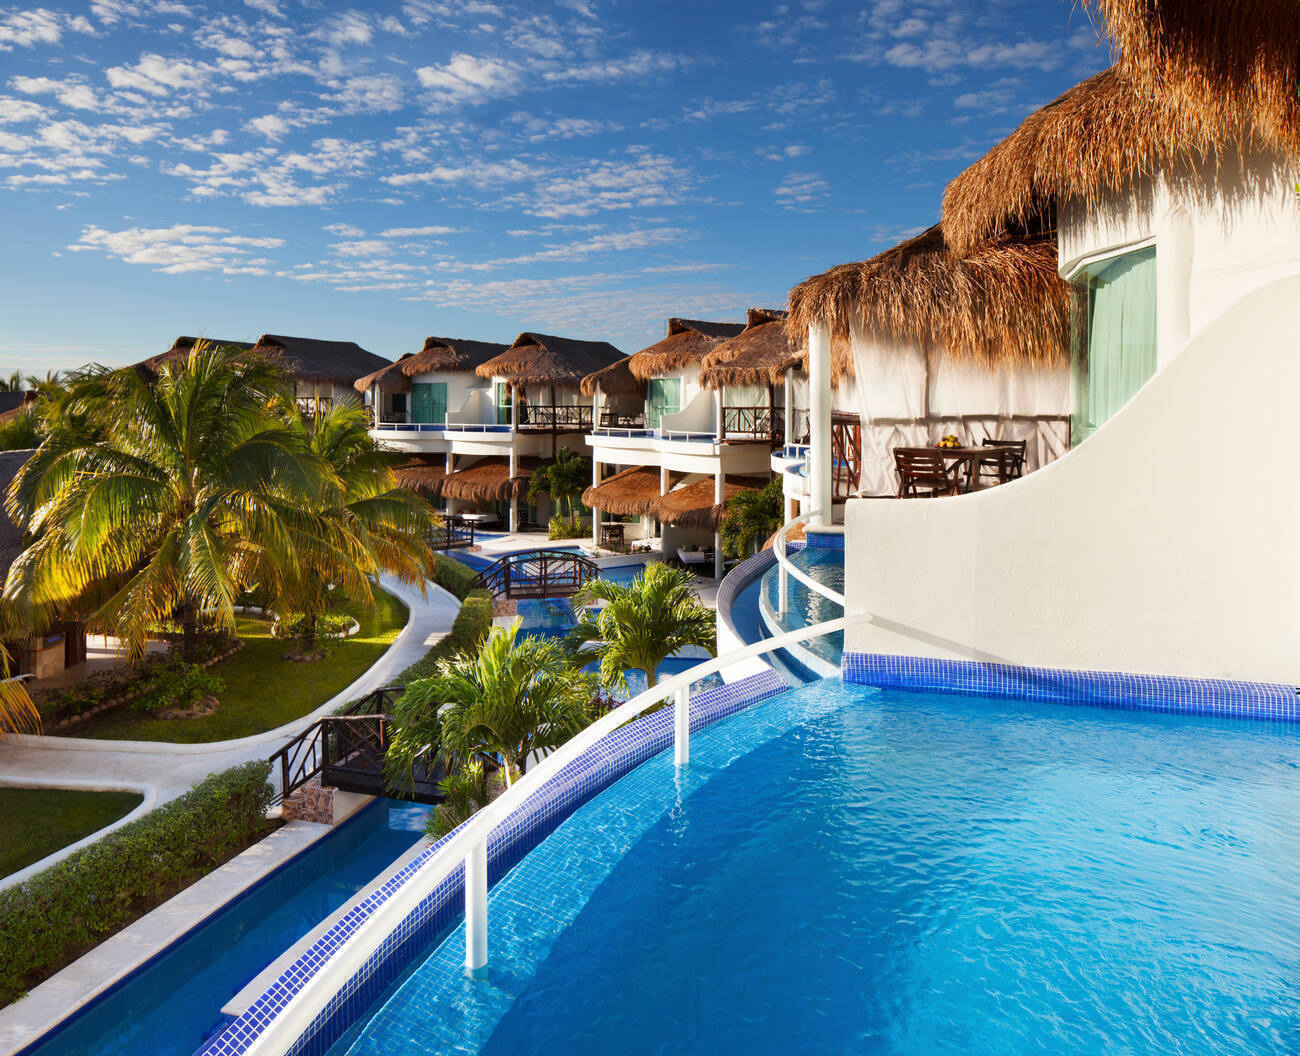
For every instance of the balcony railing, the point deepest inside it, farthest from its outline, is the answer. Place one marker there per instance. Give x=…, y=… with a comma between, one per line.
x=310, y=406
x=554, y=417
x=620, y=420
x=753, y=423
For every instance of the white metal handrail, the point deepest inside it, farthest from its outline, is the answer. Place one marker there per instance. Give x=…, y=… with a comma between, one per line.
x=788, y=568
x=468, y=844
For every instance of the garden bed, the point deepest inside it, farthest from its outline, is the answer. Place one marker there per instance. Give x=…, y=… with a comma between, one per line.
x=261, y=689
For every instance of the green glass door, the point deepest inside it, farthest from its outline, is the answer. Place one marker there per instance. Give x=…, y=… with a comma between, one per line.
x=503, y=403
x=429, y=402
x=665, y=398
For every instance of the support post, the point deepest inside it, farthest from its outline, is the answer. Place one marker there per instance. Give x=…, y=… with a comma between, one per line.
x=783, y=590
x=720, y=428
x=719, y=494
x=819, y=423
x=789, y=409
x=682, y=727
x=595, y=412
x=595, y=513
x=476, y=892
x=513, y=516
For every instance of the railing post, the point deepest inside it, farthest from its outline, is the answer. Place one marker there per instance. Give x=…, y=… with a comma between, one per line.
x=682, y=727
x=476, y=891
x=783, y=589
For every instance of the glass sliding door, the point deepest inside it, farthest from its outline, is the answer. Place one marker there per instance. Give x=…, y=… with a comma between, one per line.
x=429, y=402
x=1113, y=337
x=503, y=403
x=665, y=398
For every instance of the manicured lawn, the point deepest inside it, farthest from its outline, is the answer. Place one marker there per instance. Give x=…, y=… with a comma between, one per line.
x=262, y=689
x=38, y=821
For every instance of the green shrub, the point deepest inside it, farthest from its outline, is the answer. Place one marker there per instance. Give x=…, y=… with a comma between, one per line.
x=559, y=528
x=328, y=625
x=454, y=576
x=59, y=914
x=22, y=431
x=174, y=684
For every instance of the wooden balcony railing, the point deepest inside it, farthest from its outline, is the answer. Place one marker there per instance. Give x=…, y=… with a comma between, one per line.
x=754, y=423
x=554, y=418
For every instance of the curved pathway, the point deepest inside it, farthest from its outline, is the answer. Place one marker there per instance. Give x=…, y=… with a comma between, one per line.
x=163, y=771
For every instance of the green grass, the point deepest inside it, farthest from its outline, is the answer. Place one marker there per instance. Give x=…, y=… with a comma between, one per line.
x=38, y=821
x=263, y=690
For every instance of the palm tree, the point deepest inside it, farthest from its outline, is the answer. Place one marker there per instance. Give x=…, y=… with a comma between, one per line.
x=752, y=516
x=164, y=497
x=365, y=525
x=563, y=479
x=642, y=623
x=512, y=699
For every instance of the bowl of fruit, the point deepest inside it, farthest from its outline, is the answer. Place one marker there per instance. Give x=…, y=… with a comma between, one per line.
x=949, y=440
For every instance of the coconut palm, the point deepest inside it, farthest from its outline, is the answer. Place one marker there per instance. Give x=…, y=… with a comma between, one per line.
x=363, y=526
x=164, y=497
x=512, y=699
x=751, y=517
x=641, y=624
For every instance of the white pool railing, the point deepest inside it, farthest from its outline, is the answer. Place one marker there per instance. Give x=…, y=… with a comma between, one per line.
x=787, y=568
x=469, y=843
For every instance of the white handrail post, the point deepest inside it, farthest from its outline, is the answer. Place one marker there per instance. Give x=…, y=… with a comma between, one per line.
x=476, y=890
x=682, y=727
x=819, y=423
x=783, y=589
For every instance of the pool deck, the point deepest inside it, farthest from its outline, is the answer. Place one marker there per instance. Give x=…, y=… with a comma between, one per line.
x=162, y=771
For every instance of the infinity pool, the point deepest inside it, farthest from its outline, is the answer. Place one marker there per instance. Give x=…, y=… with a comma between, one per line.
x=842, y=870
x=806, y=607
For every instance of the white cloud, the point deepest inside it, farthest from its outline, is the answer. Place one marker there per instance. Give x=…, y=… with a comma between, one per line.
x=179, y=248
x=466, y=79
x=269, y=7
x=344, y=230
x=26, y=29
x=156, y=75
x=15, y=111
x=416, y=232
x=72, y=94
x=270, y=125
x=351, y=27
x=376, y=93
x=802, y=191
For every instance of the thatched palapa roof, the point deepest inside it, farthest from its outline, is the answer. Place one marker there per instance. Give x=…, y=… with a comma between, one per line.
x=1214, y=55
x=180, y=350
x=692, y=506
x=422, y=473
x=630, y=493
x=687, y=343
x=489, y=479
x=446, y=355
x=313, y=360
x=1002, y=302
x=759, y=355
x=1098, y=139
x=614, y=380
x=542, y=359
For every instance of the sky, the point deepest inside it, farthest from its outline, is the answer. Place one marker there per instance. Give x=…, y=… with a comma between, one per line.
x=477, y=168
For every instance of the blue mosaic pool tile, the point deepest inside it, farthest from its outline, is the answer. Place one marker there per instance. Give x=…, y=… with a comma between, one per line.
x=824, y=540
x=611, y=758
x=1221, y=698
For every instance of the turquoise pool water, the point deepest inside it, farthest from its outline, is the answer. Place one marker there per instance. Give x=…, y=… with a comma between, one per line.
x=173, y=1004
x=806, y=607
x=842, y=870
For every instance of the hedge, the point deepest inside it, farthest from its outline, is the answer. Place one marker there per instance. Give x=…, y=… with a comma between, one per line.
x=470, y=627
x=59, y=914
x=455, y=576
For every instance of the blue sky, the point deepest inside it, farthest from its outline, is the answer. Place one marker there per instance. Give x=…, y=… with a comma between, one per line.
x=475, y=168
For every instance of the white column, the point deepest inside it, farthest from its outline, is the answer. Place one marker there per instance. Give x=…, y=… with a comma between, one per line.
x=719, y=493
x=595, y=411
x=476, y=890
x=789, y=409
x=819, y=422
x=663, y=481
x=682, y=727
x=514, y=503
x=717, y=413
x=595, y=513
x=374, y=404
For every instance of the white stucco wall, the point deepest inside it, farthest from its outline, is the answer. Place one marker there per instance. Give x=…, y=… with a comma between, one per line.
x=1218, y=234
x=1164, y=544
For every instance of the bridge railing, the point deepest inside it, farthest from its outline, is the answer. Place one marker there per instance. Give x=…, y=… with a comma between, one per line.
x=537, y=574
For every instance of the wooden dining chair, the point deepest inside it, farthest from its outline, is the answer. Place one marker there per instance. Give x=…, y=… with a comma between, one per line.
x=922, y=472
x=1005, y=461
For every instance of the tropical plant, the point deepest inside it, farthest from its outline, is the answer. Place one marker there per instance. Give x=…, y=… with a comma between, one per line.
x=165, y=497
x=20, y=432
x=13, y=383
x=511, y=699
x=641, y=623
x=564, y=479
x=751, y=517
x=363, y=525
x=466, y=790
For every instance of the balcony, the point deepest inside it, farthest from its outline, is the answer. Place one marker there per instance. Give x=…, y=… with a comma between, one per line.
x=554, y=418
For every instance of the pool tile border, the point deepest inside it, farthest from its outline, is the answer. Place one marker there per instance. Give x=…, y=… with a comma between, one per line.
x=1171, y=694
x=603, y=763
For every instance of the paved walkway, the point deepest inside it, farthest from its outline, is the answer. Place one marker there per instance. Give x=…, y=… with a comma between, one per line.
x=164, y=771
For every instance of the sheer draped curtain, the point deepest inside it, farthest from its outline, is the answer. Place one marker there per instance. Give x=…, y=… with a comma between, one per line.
x=1114, y=347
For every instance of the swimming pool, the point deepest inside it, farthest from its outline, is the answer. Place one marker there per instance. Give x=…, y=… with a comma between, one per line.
x=805, y=607
x=844, y=869
x=172, y=1004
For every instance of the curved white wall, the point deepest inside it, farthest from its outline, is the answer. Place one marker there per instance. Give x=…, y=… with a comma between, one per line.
x=1165, y=544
